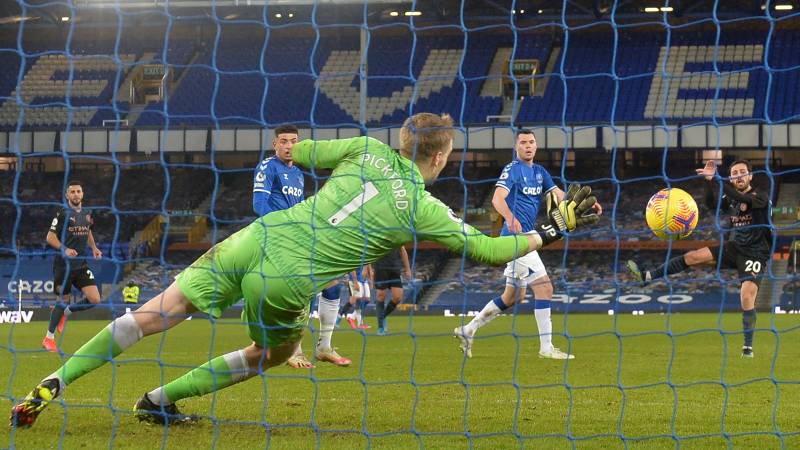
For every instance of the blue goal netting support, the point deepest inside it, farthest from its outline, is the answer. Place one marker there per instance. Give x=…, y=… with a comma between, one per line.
x=163, y=112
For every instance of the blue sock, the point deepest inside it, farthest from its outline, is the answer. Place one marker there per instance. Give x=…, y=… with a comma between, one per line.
x=748, y=325
x=345, y=308
x=671, y=267
x=82, y=305
x=499, y=303
x=332, y=293
x=55, y=317
x=541, y=304
x=390, y=307
x=362, y=306
x=380, y=311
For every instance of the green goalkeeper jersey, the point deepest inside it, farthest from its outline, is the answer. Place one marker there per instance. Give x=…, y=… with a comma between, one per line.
x=374, y=201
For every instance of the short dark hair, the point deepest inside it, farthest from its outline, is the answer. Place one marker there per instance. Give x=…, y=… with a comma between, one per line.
x=525, y=131
x=286, y=128
x=742, y=161
x=74, y=183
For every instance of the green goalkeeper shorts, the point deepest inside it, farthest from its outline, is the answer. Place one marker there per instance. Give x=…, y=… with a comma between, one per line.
x=238, y=268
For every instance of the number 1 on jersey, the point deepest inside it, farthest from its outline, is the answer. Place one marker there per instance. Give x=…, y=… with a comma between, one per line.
x=370, y=192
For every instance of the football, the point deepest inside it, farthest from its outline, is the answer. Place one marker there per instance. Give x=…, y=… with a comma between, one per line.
x=671, y=214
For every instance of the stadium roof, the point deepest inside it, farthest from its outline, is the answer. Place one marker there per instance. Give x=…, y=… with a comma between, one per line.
x=387, y=11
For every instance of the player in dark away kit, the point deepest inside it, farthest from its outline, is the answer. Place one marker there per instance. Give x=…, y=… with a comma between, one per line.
x=70, y=232
x=747, y=249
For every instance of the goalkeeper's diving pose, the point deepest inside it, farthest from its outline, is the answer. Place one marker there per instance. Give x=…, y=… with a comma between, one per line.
x=279, y=184
x=374, y=201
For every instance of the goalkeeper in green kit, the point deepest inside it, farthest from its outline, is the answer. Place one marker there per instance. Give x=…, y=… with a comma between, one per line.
x=374, y=201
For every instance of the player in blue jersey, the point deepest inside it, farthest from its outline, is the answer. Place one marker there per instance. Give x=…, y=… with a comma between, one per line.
x=517, y=198
x=278, y=184
x=359, y=283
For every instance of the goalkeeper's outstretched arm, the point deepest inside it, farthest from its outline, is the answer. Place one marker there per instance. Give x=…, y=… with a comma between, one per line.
x=327, y=154
x=436, y=222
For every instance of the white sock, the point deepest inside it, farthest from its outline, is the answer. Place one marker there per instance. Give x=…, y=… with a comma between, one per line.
x=357, y=314
x=125, y=331
x=487, y=314
x=328, y=309
x=545, y=326
x=299, y=350
x=67, y=311
x=158, y=397
x=51, y=335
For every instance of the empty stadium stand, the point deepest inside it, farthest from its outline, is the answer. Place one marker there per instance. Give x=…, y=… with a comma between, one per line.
x=122, y=204
x=302, y=80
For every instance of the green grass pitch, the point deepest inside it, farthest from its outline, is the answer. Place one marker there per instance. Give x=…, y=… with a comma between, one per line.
x=653, y=381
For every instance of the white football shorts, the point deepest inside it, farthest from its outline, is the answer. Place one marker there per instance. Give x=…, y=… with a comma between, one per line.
x=524, y=270
x=363, y=289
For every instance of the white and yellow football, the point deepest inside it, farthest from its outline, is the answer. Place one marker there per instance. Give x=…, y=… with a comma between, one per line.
x=672, y=214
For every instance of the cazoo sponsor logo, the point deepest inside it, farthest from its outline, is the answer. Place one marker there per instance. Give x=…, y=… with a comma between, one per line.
x=289, y=190
x=627, y=299
x=532, y=190
x=31, y=286
x=602, y=299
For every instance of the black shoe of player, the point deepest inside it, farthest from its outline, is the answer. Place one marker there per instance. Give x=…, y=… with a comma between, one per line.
x=638, y=276
x=147, y=411
x=747, y=352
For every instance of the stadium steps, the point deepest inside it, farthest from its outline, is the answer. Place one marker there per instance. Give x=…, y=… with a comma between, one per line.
x=508, y=108
x=182, y=72
x=134, y=112
x=541, y=84
x=772, y=286
x=124, y=91
x=137, y=110
x=204, y=207
x=790, y=194
x=448, y=273
x=493, y=85
x=139, y=273
x=786, y=213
